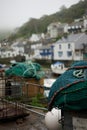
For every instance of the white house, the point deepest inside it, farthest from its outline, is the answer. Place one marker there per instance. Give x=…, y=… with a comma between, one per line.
x=12, y=51
x=44, y=52
x=79, y=25
x=8, y=52
x=36, y=37
x=55, y=29
x=36, y=47
x=85, y=23
x=37, y=53
x=52, y=29
x=18, y=48
x=70, y=48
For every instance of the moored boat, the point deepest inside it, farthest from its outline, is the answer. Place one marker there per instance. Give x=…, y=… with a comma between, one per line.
x=58, y=68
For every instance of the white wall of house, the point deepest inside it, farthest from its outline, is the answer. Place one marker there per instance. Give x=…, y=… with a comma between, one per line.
x=85, y=23
x=54, y=33
x=60, y=51
x=6, y=54
x=52, y=30
x=21, y=51
x=18, y=50
x=66, y=51
x=35, y=46
x=55, y=29
x=78, y=55
x=66, y=28
x=14, y=51
x=37, y=53
x=36, y=37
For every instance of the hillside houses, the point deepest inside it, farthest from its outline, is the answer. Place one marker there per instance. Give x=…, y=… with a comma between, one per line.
x=45, y=46
x=70, y=48
x=44, y=52
x=79, y=25
x=56, y=29
x=66, y=49
x=7, y=51
x=18, y=47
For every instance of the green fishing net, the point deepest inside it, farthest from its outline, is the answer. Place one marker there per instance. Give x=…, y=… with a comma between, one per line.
x=69, y=91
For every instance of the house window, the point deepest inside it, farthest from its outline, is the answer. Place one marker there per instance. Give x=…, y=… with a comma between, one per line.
x=69, y=46
x=60, y=53
x=60, y=47
x=69, y=53
x=8, y=54
x=77, y=53
x=13, y=55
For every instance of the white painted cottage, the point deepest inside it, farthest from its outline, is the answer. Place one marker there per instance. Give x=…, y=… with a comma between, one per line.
x=56, y=29
x=70, y=48
x=36, y=37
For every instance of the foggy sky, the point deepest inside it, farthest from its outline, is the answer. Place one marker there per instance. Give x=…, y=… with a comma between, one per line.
x=14, y=13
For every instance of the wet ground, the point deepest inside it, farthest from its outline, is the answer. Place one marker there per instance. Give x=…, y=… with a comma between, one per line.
x=31, y=122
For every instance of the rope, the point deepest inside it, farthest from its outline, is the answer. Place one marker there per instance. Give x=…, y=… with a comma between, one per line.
x=79, y=73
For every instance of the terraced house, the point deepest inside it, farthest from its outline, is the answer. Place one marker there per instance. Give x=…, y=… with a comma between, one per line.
x=71, y=47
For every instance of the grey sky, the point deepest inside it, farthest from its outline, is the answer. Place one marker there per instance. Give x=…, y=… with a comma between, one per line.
x=14, y=13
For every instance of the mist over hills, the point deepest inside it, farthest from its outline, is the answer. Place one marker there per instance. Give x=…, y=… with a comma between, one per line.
x=65, y=15
x=5, y=33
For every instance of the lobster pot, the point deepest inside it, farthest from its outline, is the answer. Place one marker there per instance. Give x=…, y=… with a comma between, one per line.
x=32, y=87
x=75, y=120
x=16, y=89
x=2, y=87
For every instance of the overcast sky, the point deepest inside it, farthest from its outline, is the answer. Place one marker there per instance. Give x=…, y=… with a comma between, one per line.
x=14, y=13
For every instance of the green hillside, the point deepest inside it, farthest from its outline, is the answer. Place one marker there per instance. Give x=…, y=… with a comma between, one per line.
x=40, y=25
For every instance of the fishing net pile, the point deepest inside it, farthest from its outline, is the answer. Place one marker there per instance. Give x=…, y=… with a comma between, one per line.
x=26, y=69
x=69, y=91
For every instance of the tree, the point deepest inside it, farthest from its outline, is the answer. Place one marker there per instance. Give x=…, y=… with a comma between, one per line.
x=62, y=8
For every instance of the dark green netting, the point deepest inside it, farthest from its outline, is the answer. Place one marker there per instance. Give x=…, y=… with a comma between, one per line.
x=26, y=69
x=69, y=91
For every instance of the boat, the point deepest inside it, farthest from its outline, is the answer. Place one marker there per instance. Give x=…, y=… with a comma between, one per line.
x=58, y=68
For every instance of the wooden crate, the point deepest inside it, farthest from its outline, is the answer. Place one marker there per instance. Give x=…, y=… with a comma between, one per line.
x=32, y=87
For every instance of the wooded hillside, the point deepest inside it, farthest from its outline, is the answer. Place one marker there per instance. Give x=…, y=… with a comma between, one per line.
x=65, y=15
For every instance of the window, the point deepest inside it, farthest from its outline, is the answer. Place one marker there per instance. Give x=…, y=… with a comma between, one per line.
x=60, y=53
x=77, y=53
x=13, y=55
x=69, y=53
x=69, y=46
x=60, y=47
x=8, y=54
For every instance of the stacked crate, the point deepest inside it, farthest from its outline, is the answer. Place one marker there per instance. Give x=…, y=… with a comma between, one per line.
x=33, y=87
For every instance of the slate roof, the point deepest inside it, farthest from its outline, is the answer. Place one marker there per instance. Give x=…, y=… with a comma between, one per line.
x=78, y=39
